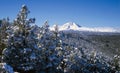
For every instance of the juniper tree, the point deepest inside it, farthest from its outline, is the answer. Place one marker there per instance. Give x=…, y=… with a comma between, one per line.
x=51, y=50
x=21, y=46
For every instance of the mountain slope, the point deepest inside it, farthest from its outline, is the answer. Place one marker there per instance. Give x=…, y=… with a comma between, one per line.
x=76, y=27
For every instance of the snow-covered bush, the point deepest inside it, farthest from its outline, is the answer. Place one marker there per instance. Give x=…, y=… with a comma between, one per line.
x=116, y=63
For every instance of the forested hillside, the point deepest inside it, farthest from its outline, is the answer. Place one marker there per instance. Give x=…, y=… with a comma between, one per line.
x=108, y=43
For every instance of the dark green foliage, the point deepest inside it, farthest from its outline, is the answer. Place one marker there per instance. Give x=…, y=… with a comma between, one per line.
x=4, y=26
x=0, y=22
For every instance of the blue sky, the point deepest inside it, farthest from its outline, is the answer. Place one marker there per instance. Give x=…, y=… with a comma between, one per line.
x=90, y=13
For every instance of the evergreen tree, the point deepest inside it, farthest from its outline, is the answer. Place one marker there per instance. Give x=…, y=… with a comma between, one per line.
x=51, y=50
x=32, y=47
x=21, y=52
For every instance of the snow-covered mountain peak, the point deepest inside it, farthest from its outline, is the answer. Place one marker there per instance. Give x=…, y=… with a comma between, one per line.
x=69, y=26
x=76, y=27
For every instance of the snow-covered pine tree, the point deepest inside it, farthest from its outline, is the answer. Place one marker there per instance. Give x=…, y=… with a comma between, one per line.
x=51, y=50
x=22, y=50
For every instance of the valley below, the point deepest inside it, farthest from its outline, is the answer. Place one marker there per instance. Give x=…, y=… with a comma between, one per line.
x=105, y=42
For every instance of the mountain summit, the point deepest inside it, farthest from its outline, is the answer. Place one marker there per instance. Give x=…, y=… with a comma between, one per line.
x=69, y=26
